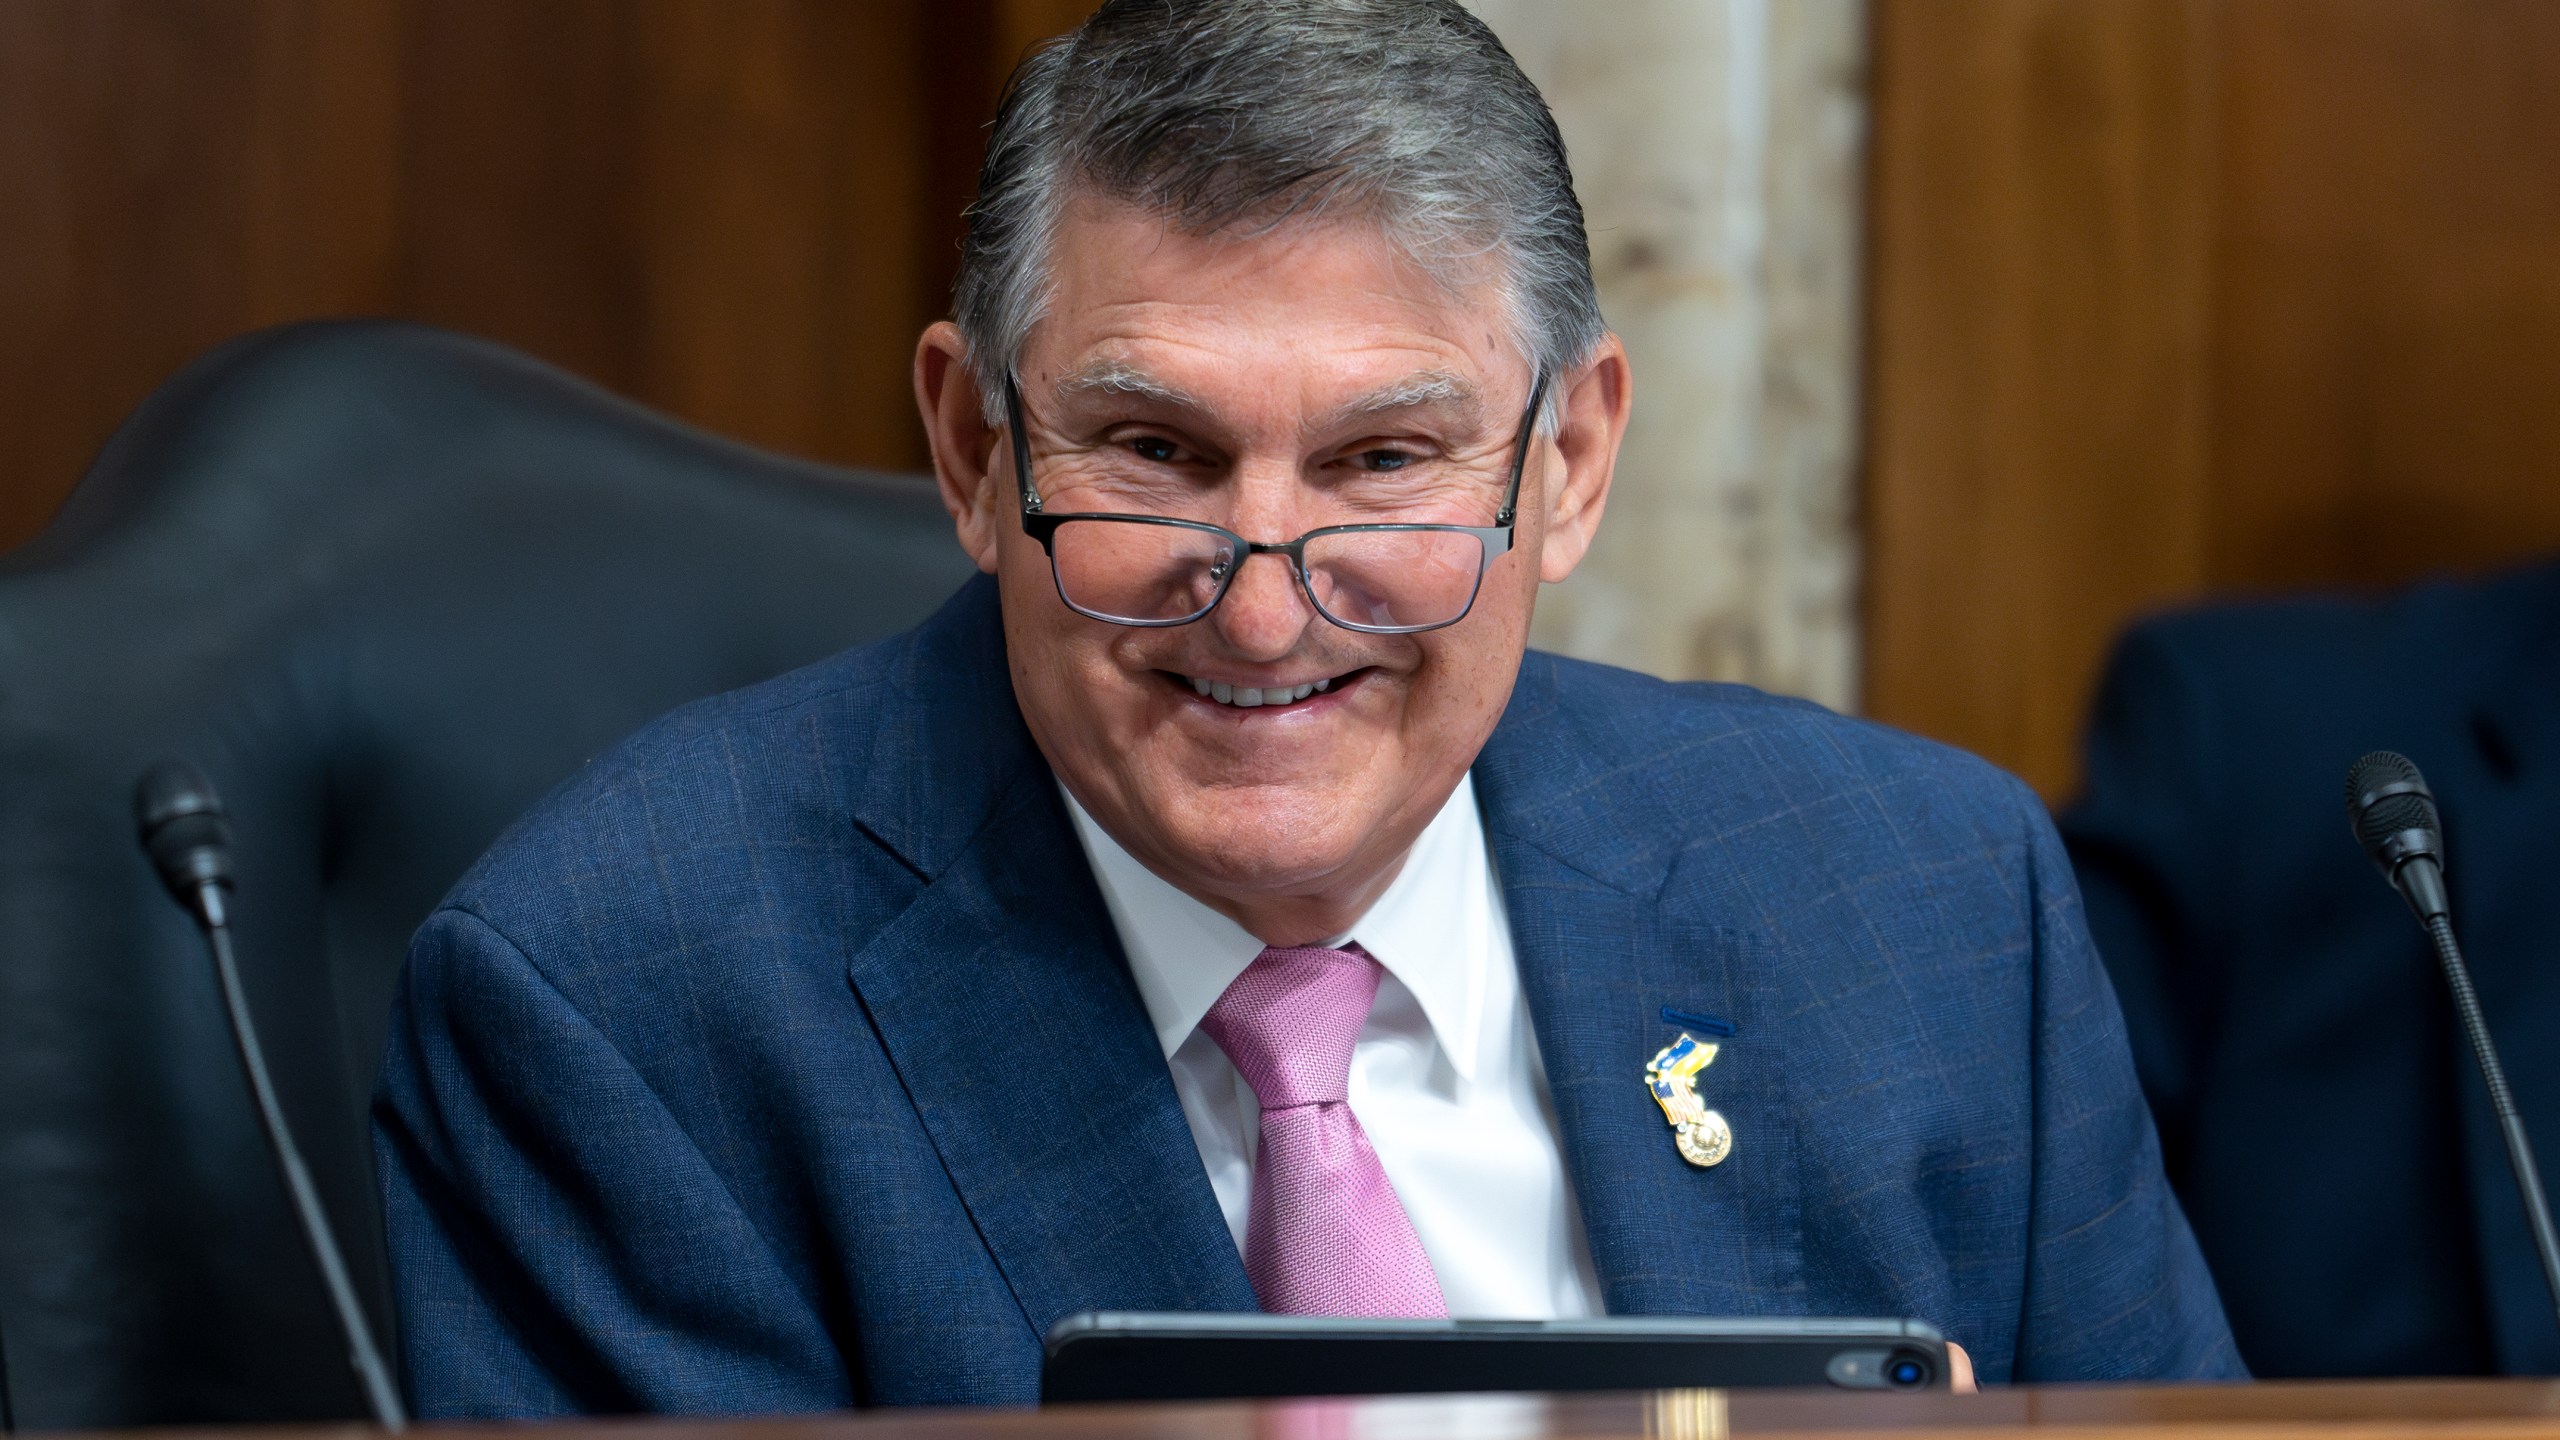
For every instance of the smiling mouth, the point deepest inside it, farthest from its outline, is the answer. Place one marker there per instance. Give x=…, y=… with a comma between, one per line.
x=1248, y=697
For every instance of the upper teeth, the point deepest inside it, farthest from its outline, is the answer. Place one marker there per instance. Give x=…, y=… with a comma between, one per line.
x=1226, y=694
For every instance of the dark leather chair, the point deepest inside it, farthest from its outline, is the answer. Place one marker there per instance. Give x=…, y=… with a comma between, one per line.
x=386, y=586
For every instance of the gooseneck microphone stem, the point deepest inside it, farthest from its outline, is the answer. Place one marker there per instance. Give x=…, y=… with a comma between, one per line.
x=362, y=1353
x=183, y=830
x=2395, y=819
x=2466, y=1005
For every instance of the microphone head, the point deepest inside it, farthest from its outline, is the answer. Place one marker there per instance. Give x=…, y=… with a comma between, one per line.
x=180, y=820
x=2393, y=811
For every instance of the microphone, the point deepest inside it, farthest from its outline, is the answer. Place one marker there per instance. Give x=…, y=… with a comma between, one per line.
x=2395, y=819
x=189, y=841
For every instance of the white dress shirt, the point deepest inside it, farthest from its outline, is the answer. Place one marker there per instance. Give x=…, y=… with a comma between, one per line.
x=1445, y=1077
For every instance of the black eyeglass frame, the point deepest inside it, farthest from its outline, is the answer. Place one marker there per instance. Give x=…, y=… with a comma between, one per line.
x=1495, y=539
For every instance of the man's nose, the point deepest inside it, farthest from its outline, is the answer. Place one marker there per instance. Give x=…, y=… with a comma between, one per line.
x=1265, y=613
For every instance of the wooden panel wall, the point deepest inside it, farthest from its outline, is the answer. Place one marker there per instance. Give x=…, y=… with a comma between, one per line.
x=737, y=210
x=2176, y=298
x=2168, y=297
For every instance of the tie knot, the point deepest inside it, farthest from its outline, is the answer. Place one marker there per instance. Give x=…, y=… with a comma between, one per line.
x=1290, y=1020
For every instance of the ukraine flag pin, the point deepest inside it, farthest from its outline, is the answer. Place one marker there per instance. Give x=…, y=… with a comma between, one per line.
x=1701, y=1134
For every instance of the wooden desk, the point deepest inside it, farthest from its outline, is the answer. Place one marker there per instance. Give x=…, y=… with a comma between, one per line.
x=2469, y=1409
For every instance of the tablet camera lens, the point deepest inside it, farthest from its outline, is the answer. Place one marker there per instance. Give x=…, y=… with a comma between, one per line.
x=1887, y=1368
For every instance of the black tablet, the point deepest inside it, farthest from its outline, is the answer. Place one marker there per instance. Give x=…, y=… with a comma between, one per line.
x=1131, y=1355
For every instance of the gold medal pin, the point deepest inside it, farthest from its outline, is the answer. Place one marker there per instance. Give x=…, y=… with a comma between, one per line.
x=1701, y=1134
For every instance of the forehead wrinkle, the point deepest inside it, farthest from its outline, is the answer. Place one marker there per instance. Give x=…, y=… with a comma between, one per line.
x=1112, y=376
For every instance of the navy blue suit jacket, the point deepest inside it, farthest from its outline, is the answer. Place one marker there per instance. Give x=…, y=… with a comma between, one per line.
x=786, y=1058
x=2319, y=1108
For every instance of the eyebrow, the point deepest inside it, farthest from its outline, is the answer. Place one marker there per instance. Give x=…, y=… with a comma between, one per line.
x=1116, y=377
x=1427, y=387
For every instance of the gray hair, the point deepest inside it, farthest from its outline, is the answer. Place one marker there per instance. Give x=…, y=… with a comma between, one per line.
x=1218, y=113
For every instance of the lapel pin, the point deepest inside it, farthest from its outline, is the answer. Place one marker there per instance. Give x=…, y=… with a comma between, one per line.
x=1701, y=1134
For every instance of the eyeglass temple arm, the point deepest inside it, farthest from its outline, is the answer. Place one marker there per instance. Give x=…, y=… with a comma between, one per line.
x=1021, y=445
x=1519, y=452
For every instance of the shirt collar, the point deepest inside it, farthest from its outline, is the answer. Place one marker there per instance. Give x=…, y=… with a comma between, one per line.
x=1430, y=930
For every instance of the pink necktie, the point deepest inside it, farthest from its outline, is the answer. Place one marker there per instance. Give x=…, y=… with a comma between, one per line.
x=1325, y=1234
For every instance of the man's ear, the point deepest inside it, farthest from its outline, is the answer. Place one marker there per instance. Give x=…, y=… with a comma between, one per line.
x=963, y=443
x=1593, y=400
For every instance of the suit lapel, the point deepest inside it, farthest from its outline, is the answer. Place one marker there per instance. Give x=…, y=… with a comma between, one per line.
x=1002, y=1000
x=1600, y=955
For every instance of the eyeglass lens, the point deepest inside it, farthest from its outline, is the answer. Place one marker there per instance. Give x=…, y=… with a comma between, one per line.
x=1386, y=579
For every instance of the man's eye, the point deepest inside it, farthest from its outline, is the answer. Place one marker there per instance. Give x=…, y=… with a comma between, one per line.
x=1155, y=449
x=1379, y=460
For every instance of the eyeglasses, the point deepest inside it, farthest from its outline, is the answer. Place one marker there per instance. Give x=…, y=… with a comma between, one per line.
x=1156, y=571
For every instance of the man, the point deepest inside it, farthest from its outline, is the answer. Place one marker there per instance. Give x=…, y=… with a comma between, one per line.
x=2293, y=1031
x=1211, y=908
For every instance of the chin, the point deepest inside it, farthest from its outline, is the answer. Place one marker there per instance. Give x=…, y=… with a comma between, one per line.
x=1293, y=841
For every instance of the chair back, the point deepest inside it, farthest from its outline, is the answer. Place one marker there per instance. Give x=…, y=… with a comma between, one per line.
x=386, y=586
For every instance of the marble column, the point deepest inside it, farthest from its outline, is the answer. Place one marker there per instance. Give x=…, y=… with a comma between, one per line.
x=1718, y=149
